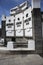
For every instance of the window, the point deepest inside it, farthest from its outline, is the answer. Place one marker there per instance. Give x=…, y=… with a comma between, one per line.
x=9, y=26
x=18, y=23
x=18, y=18
x=29, y=19
x=9, y=20
x=26, y=20
x=27, y=15
x=27, y=23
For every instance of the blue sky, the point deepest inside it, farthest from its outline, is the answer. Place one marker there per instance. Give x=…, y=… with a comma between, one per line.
x=6, y=5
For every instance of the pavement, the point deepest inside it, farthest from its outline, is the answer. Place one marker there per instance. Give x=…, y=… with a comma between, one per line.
x=30, y=59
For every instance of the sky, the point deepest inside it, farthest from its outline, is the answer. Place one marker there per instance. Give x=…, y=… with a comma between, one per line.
x=6, y=5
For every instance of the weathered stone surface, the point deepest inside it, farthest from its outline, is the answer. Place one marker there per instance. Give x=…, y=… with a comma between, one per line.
x=37, y=29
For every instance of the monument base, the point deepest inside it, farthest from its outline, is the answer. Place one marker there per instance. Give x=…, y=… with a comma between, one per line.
x=10, y=45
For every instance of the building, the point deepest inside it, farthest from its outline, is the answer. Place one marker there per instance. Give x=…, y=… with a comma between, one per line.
x=24, y=27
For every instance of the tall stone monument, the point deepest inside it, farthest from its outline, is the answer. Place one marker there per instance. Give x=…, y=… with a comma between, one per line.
x=37, y=26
